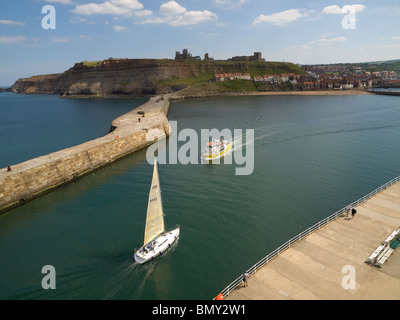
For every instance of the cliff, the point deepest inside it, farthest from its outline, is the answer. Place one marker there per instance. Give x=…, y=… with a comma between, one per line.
x=44, y=84
x=139, y=77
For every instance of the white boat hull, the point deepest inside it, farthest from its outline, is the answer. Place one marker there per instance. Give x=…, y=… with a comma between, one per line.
x=157, y=246
x=217, y=152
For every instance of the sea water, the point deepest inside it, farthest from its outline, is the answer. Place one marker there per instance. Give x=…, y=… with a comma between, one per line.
x=36, y=125
x=312, y=156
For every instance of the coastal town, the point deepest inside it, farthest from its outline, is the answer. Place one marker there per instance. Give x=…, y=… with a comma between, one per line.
x=315, y=77
x=333, y=77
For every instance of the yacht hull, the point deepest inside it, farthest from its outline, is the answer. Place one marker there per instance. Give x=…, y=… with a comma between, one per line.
x=157, y=246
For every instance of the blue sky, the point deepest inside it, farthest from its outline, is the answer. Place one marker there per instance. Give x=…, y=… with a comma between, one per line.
x=299, y=31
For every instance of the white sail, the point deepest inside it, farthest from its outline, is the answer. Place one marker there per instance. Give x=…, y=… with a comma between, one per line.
x=155, y=216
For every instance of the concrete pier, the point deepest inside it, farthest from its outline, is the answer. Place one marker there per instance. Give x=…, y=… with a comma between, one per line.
x=386, y=93
x=38, y=176
x=320, y=265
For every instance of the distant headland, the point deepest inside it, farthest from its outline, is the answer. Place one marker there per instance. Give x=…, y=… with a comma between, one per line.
x=189, y=75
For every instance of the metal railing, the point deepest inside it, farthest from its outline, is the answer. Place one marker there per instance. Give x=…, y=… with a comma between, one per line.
x=302, y=235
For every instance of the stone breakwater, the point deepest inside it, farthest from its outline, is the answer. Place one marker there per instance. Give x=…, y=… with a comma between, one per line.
x=33, y=178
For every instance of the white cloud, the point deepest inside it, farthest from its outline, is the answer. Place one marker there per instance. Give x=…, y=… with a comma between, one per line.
x=112, y=7
x=12, y=39
x=130, y=4
x=395, y=38
x=171, y=8
x=12, y=23
x=77, y=20
x=301, y=47
x=335, y=9
x=143, y=13
x=60, y=1
x=359, y=7
x=325, y=41
x=156, y=20
x=193, y=17
x=230, y=4
x=282, y=18
x=174, y=14
x=120, y=28
x=171, y=12
x=59, y=39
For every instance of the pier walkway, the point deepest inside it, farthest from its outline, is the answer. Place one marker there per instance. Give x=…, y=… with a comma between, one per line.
x=329, y=261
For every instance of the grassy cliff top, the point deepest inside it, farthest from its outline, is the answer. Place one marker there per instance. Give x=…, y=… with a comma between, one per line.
x=218, y=66
x=258, y=68
x=254, y=68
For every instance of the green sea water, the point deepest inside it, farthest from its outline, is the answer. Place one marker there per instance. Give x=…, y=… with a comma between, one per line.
x=312, y=155
x=35, y=125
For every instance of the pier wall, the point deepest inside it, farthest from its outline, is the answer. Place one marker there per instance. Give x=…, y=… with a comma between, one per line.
x=33, y=178
x=386, y=93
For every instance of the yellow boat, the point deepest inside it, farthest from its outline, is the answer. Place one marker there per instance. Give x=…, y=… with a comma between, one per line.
x=216, y=149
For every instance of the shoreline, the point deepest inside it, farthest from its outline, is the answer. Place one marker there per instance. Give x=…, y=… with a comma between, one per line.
x=177, y=96
x=314, y=93
x=209, y=94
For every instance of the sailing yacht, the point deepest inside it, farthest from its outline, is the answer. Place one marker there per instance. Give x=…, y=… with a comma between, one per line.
x=156, y=239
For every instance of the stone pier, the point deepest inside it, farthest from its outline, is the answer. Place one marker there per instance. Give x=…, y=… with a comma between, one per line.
x=33, y=178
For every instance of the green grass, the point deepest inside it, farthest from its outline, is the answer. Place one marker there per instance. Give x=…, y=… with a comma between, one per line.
x=187, y=82
x=219, y=87
x=223, y=66
x=235, y=86
x=259, y=68
x=92, y=63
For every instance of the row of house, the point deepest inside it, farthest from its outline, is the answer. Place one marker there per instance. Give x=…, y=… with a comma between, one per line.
x=306, y=82
x=384, y=74
x=335, y=84
x=231, y=76
x=276, y=78
x=270, y=78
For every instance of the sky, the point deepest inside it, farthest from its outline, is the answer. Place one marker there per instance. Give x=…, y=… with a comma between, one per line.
x=37, y=39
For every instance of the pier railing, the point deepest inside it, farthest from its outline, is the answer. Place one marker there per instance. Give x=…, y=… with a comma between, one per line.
x=302, y=235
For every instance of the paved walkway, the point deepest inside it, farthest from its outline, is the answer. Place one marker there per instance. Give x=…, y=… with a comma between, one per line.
x=312, y=268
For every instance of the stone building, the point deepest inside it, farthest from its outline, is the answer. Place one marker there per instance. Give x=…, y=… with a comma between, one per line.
x=256, y=57
x=185, y=55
